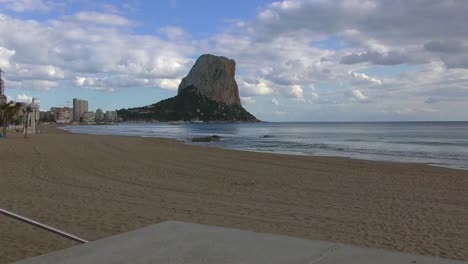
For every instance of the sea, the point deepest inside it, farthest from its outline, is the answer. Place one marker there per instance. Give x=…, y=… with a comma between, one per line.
x=434, y=143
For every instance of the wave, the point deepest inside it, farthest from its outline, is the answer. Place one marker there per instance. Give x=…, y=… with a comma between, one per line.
x=432, y=143
x=438, y=145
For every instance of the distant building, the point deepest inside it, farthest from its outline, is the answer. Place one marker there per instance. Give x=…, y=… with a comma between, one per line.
x=88, y=117
x=111, y=116
x=2, y=86
x=64, y=115
x=79, y=108
x=99, y=116
x=47, y=116
x=35, y=108
x=54, y=111
x=42, y=115
x=3, y=98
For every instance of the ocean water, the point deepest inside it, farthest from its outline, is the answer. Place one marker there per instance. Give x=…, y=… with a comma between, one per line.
x=435, y=143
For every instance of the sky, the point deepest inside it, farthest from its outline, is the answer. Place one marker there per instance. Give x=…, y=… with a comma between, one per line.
x=296, y=60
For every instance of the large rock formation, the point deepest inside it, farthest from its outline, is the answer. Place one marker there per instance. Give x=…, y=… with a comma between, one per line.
x=214, y=78
x=208, y=93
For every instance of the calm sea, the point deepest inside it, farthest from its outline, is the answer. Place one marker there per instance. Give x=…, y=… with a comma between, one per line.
x=435, y=143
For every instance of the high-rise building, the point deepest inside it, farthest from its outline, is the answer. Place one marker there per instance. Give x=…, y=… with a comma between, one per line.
x=79, y=108
x=99, y=116
x=88, y=117
x=34, y=115
x=3, y=98
x=2, y=87
x=111, y=116
x=47, y=116
x=64, y=115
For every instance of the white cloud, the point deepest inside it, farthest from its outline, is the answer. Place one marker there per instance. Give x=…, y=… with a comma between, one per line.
x=275, y=101
x=21, y=72
x=24, y=98
x=111, y=83
x=5, y=56
x=380, y=32
x=257, y=87
x=297, y=92
x=248, y=100
x=25, y=5
x=409, y=110
x=313, y=92
x=360, y=78
x=94, y=56
x=377, y=58
x=80, y=81
x=170, y=84
x=359, y=96
x=287, y=47
x=101, y=18
x=173, y=32
x=44, y=85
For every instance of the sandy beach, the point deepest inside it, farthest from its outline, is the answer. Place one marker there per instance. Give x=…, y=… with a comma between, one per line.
x=97, y=186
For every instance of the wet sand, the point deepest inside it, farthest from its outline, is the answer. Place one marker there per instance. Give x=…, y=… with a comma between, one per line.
x=97, y=186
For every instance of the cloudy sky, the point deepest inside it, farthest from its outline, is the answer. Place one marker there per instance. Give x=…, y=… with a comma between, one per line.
x=297, y=60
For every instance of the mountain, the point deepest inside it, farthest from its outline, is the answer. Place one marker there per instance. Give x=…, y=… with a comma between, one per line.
x=214, y=78
x=208, y=93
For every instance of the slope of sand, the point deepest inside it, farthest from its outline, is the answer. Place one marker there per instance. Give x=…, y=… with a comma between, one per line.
x=97, y=186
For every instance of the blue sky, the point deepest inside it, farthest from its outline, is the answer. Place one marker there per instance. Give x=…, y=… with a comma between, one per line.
x=297, y=60
x=199, y=18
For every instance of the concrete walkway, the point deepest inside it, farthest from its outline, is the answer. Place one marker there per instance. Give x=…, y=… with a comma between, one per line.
x=178, y=242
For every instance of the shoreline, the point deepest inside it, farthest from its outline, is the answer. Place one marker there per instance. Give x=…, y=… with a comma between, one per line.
x=61, y=127
x=96, y=186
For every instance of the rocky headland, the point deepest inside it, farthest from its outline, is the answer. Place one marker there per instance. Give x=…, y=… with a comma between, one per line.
x=208, y=93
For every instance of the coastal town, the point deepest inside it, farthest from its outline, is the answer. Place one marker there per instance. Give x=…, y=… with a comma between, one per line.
x=77, y=114
x=26, y=115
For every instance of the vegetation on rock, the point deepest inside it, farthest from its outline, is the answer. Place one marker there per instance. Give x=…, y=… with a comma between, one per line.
x=188, y=105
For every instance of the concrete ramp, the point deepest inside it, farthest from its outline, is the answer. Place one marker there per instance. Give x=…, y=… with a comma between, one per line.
x=178, y=242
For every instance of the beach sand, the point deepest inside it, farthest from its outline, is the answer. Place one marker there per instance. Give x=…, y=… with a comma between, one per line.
x=98, y=186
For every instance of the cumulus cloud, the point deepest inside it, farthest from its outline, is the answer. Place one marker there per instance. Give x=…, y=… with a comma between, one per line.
x=455, y=93
x=110, y=83
x=297, y=92
x=25, y=5
x=362, y=78
x=173, y=32
x=408, y=110
x=452, y=53
x=313, y=92
x=391, y=22
x=40, y=85
x=248, y=100
x=275, y=101
x=24, y=98
x=80, y=54
x=380, y=32
x=170, y=84
x=454, y=46
x=5, y=55
x=377, y=58
x=285, y=48
x=20, y=72
x=358, y=95
x=98, y=18
x=374, y=33
x=255, y=87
